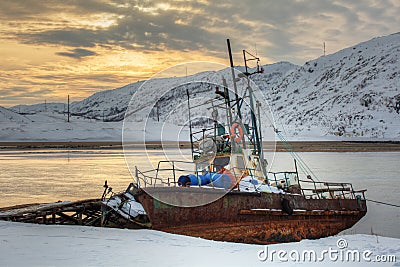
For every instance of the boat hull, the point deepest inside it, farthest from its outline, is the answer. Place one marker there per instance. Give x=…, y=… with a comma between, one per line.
x=256, y=218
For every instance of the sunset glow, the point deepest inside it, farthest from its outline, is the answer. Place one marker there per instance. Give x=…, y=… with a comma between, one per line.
x=51, y=49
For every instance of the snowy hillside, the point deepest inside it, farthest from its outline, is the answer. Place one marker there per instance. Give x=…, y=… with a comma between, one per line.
x=115, y=102
x=7, y=116
x=52, y=126
x=351, y=94
x=110, y=105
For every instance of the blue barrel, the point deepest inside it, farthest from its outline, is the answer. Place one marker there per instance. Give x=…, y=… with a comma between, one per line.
x=192, y=179
x=208, y=176
x=184, y=180
x=221, y=180
x=205, y=179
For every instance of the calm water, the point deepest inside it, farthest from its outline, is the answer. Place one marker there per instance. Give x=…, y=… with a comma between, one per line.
x=47, y=175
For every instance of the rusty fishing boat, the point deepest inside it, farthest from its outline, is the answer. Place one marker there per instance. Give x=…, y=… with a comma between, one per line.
x=229, y=194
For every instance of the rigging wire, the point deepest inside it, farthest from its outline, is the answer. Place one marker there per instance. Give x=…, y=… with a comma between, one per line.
x=384, y=203
x=302, y=165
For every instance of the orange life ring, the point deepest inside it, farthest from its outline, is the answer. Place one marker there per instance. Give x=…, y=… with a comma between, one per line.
x=234, y=135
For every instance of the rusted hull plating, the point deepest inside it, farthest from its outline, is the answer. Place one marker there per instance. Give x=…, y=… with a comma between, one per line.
x=255, y=218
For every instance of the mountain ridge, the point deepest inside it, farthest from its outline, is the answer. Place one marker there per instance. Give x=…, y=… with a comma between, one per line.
x=353, y=93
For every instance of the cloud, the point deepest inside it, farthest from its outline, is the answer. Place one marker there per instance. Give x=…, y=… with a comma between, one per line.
x=123, y=39
x=284, y=28
x=15, y=93
x=29, y=9
x=136, y=29
x=77, y=53
x=67, y=37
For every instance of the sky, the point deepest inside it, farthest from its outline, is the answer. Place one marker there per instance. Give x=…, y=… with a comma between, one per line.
x=51, y=49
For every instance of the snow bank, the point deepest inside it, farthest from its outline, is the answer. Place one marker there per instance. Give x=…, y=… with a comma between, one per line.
x=56, y=245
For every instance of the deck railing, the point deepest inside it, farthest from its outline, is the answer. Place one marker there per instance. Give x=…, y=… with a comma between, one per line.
x=155, y=177
x=331, y=190
x=167, y=173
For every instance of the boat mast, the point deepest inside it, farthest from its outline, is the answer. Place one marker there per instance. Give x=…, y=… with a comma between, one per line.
x=227, y=101
x=237, y=99
x=257, y=134
x=190, y=118
x=234, y=78
x=257, y=144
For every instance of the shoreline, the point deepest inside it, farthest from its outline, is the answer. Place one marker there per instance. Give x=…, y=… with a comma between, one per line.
x=298, y=146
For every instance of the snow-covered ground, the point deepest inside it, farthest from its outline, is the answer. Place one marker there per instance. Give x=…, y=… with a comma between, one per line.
x=49, y=126
x=56, y=245
x=53, y=127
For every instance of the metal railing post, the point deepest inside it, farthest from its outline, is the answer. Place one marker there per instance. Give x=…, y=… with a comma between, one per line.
x=173, y=171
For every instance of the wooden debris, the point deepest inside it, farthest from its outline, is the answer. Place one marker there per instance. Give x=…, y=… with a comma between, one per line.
x=85, y=212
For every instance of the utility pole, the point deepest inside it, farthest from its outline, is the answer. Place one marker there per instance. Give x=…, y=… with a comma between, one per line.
x=68, y=109
x=45, y=105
